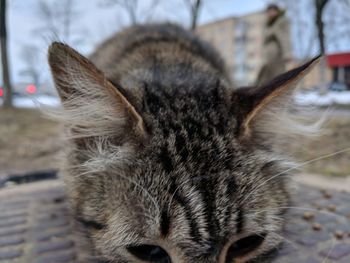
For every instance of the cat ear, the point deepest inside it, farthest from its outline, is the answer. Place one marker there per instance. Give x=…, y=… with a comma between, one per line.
x=92, y=105
x=263, y=109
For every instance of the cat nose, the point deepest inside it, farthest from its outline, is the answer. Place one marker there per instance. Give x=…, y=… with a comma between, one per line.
x=241, y=249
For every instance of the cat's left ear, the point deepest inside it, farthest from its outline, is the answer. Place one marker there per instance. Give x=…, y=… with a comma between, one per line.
x=259, y=108
x=92, y=105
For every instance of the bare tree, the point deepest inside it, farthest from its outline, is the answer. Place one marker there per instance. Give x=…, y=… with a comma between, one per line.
x=33, y=70
x=293, y=7
x=139, y=11
x=303, y=33
x=194, y=8
x=135, y=12
x=4, y=59
x=67, y=16
x=130, y=7
x=320, y=7
x=48, y=14
x=59, y=17
x=328, y=26
x=319, y=13
x=337, y=19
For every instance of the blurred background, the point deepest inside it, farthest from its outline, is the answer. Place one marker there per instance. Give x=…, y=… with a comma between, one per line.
x=29, y=142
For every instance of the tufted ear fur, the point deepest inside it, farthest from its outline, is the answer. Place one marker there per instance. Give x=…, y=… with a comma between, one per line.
x=265, y=110
x=92, y=105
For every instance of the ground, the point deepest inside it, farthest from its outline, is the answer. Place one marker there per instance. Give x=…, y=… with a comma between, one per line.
x=332, y=148
x=30, y=142
x=37, y=227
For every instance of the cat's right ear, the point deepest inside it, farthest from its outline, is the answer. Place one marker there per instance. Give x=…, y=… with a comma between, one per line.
x=92, y=105
x=266, y=110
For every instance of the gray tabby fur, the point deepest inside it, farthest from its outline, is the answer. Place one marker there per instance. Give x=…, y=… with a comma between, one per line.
x=163, y=150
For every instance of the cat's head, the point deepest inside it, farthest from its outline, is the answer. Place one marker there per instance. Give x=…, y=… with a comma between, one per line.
x=183, y=173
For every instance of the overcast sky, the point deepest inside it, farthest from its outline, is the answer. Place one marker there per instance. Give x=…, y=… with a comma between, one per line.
x=98, y=23
x=94, y=23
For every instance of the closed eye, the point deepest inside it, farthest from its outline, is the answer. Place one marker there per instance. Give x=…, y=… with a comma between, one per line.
x=91, y=224
x=244, y=246
x=150, y=253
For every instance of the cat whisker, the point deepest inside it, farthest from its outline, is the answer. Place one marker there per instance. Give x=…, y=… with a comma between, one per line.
x=303, y=209
x=173, y=195
x=330, y=250
x=144, y=190
x=131, y=181
x=293, y=168
x=285, y=240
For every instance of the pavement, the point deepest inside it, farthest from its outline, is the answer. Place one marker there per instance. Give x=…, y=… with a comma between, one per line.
x=318, y=227
x=323, y=182
x=36, y=226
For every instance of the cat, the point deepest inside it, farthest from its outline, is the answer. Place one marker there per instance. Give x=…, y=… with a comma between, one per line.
x=167, y=161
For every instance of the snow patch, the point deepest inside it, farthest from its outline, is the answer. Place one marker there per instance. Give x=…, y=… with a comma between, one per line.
x=327, y=99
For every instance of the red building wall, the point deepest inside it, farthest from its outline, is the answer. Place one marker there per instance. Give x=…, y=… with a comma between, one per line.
x=338, y=60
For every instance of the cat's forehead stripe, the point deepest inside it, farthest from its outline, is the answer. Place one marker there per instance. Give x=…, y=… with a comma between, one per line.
x=165, y=223
x=217, y=219
x=175, y=193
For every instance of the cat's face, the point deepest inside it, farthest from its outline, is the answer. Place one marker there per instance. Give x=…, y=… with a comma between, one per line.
x=181, y=176
x=226, y=207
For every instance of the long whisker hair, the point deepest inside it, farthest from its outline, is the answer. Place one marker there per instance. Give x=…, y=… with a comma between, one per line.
x=256, y=188
x=306, y=209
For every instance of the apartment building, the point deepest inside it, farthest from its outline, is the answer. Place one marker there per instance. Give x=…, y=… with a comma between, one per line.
x=240, y=42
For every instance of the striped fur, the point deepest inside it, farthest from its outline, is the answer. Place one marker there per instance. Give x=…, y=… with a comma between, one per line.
x=175, y=156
